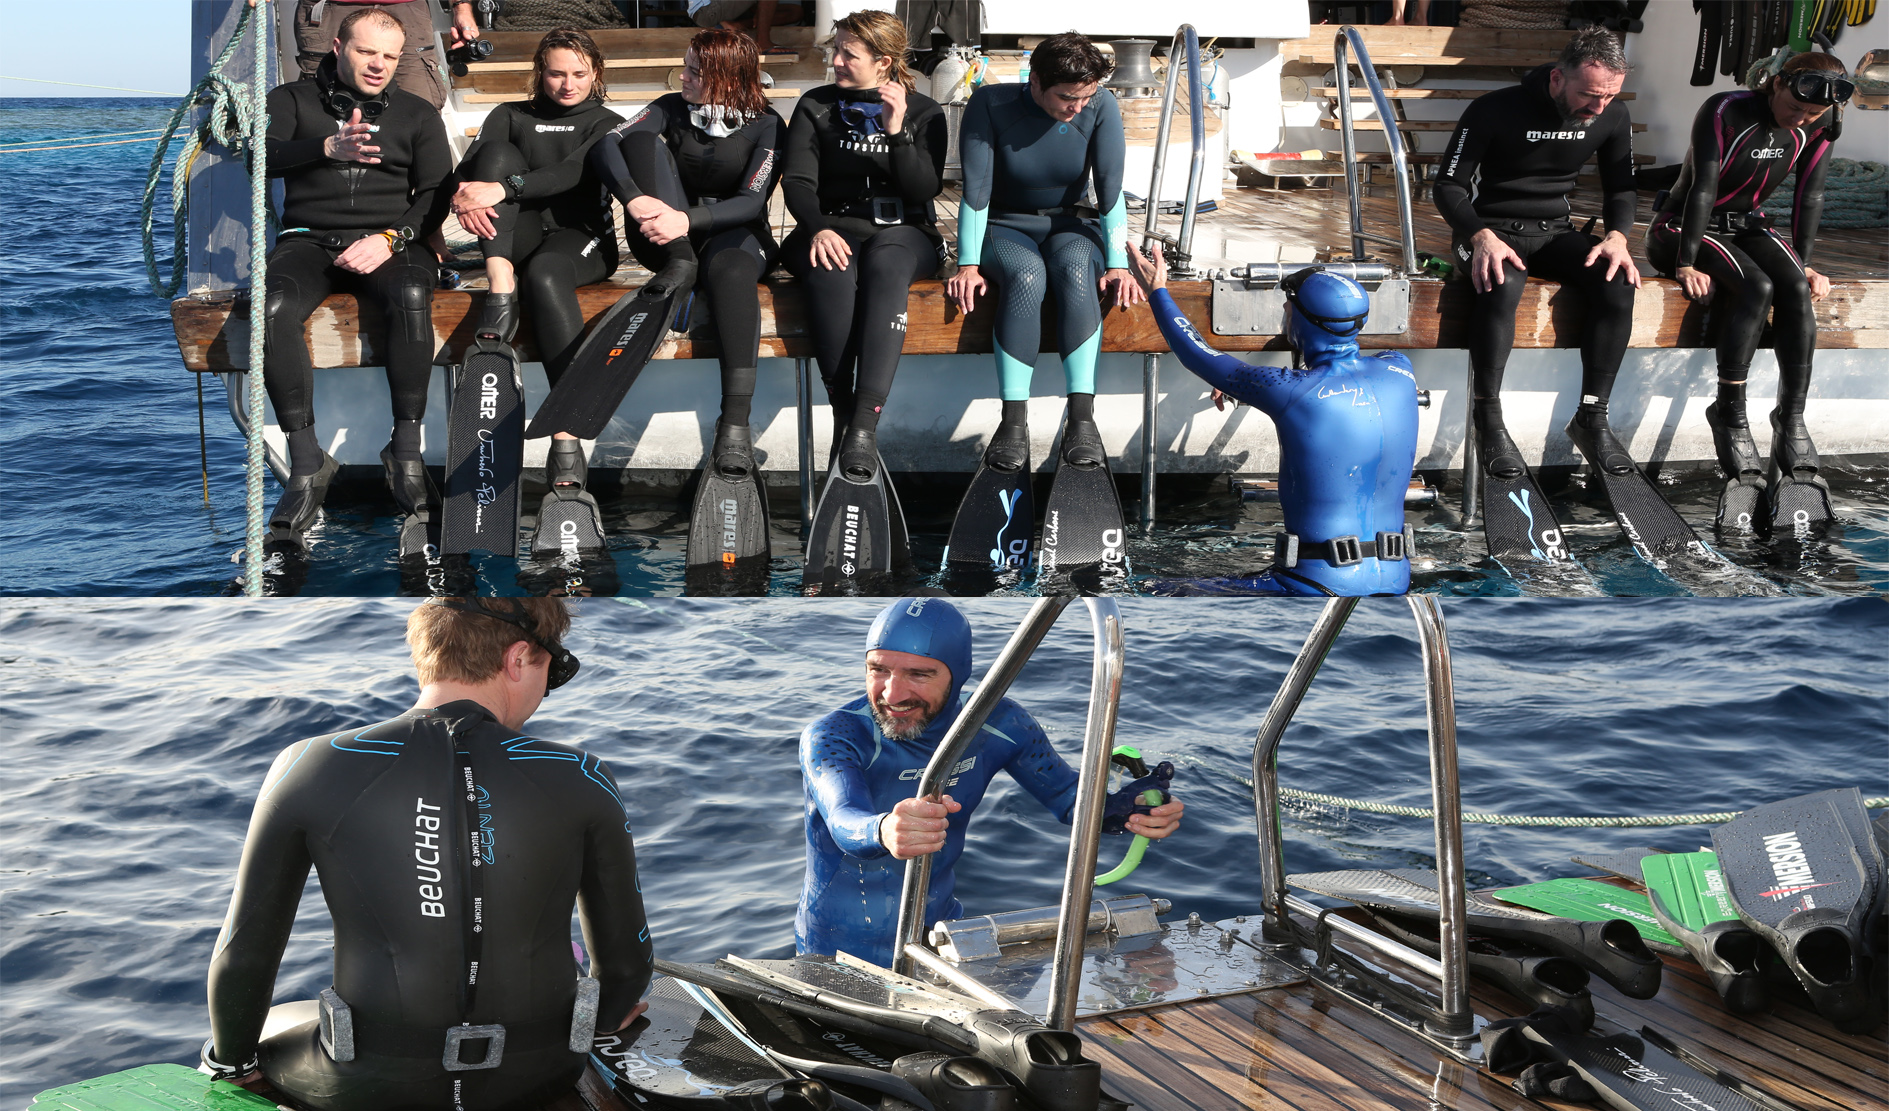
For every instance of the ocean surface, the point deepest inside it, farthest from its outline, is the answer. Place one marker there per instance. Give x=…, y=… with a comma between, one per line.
x=138, y=733
x=104, y=472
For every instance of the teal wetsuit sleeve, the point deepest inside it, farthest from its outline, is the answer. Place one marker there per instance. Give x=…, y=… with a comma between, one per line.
x=977, y=153
x=1034, y=762
x=610, y=908
x=836, y=785
x=269, y=884
x=1108, y=155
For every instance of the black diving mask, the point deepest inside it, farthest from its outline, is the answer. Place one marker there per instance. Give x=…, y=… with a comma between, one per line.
x=340, y=101
x=564, y=665
x=1815, y=86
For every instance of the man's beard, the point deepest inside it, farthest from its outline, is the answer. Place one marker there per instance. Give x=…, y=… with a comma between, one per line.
x=1567, y=114
x=909, y=731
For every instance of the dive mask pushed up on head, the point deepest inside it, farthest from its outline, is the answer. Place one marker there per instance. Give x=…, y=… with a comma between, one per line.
x=563, y=664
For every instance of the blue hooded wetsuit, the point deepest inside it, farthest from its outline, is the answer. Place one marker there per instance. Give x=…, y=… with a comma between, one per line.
x=854, y=774
x=1347, y=427
x=1023, y=220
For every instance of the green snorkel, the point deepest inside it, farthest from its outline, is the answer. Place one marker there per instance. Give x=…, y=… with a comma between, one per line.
x=1149, y=789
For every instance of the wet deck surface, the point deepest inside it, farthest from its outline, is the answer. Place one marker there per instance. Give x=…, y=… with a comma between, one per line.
x=1309, y=1049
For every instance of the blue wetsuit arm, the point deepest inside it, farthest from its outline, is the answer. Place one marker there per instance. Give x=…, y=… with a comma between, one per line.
x=610, y=908
x=1036, y=764
x=1108, y=155
x=836, y=782
x=269, y=884
x=1220, y=370
x=978, y=155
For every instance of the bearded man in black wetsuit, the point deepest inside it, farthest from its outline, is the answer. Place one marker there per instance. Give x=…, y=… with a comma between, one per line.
x=1518, y=150
x=451, y=848
x=360, y=161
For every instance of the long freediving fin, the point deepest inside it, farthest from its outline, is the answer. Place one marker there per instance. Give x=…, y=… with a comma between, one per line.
x=1525, y=539
x=1625, y=1071
x=1082, y=520
x=991, y=533
x=1523, y=970
x=1611, y=949
x=1658, y=534
x=679, y=1055
x=1689, y=895
x=607, y=364
x=1586, y=900
x=485, y=452
x=852, y=543
x=1805, y=874
x=729, y=548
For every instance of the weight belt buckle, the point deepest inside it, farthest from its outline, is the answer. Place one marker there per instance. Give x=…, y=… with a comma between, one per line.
x=1390, y=547
x=494, y=1037
x=1343, y=551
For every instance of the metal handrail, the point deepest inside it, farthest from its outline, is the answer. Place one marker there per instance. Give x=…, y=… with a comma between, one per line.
x=1181, y=259
x=997, y=680
x=1349, y=37
x=1072, y=925
x=1445, y=798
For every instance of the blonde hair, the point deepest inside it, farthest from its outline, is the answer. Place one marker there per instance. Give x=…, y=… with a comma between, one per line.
x=576, y=41
x=883, y=34
x=453, y=645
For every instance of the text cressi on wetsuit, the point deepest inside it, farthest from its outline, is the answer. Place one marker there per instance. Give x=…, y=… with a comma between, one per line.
x=1739, y=156
x=1025, y=220
x=326, y=206
x=1347, y=427
x=855, y=774
x=845, y=174
x=1511, y=163
x=382, y=814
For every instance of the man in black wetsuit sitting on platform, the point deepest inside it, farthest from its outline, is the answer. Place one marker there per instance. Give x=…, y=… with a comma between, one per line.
x=451, y=848
x=1519, y=150
x=360, y=161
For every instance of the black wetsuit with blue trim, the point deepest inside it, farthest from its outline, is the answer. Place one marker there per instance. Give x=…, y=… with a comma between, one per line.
x=1714, y=220
x=1025, y=223
x=855, y=774
x=383, y=816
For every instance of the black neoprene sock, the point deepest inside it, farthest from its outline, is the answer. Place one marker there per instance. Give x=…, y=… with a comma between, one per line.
x=406, y=439
x=1016, y=412
x=304, y=452
x=1081, y=407
x=1489, y=414
x=737, y=394
x=1793, y=388
x=1731, y=396
x=866, y=410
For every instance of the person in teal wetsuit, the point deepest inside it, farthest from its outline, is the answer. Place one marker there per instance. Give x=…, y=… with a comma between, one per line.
x=862, y=764
x=1347, y=426
x=1030, y=152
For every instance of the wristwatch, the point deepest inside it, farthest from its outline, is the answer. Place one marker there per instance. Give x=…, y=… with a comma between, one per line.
x=398, y=238
x=516, y=184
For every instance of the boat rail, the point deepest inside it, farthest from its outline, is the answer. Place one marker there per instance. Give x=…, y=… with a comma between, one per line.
x=1105, y=692
x=1451, y=970
x=1349, y=40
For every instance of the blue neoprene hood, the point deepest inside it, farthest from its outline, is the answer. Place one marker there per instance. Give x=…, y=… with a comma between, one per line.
x=929, y=627
x=1327, y=311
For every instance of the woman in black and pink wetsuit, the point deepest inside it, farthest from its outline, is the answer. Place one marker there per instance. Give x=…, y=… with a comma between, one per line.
x=1712, y=235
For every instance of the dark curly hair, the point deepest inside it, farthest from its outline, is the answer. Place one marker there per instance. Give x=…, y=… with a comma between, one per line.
x=731, y=70
x=1067, y=59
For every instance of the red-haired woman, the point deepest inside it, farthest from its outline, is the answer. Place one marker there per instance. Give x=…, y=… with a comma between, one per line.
x=1711, y=234
x=524, y=189
x=694, y=170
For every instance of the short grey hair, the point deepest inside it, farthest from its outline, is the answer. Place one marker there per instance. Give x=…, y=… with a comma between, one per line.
x=1592, y=46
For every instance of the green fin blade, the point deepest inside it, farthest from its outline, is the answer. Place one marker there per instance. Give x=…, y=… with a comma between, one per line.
x=1690, y=888
x=152, y=1088
x=1585, y=900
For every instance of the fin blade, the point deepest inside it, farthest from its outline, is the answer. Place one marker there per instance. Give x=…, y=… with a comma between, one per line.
x=485, y=453
x=605, y=367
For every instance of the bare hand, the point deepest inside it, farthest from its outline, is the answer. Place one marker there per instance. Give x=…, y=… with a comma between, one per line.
x=1151, y=275
x=1696, y=283
x=892, y=95
x=465, y=25
x=1220, y=401
x=1119, y=284
x=636, y=1012
x=646, y=207
x=365, y=255
x=829, y=251
x=1485, y=265
x=353, y=143
x=1613, y=247
x=473, y=204
x=665, y=227
x=1819, y=285
x=1159, y=822
x=965, y=287
x=916, y=827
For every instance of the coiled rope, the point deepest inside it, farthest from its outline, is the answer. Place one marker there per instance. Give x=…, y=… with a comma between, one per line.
x=238, y=119
x=1855, y=195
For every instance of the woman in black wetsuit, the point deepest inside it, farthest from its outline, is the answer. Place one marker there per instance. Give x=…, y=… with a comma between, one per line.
x=1711, y=234
x=524, y=189
x=694, y=170
x=865, y=157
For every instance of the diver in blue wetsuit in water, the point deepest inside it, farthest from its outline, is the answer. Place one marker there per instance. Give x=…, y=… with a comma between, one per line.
x=862, y=764
x=1347, y=426
x=1030, y=152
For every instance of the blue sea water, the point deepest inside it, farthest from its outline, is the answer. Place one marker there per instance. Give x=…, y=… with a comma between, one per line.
x=139, y=731
x=104, y=482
